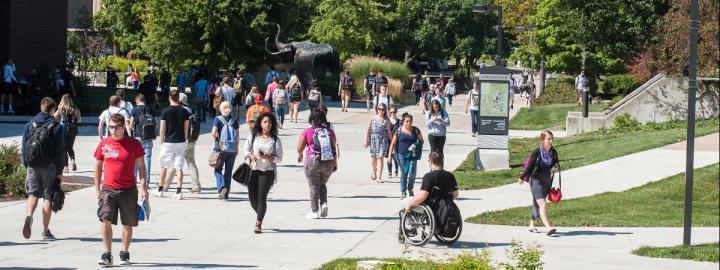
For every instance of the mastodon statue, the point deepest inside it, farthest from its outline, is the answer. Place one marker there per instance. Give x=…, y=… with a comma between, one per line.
x=306, y=55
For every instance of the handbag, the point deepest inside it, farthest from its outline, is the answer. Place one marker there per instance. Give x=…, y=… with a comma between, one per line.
x=555, y=192
x=242, y=174
x=214, y=159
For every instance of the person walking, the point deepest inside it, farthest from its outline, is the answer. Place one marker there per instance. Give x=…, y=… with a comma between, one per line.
x=280, y=99
x=419, y=86
x=407, y=143
x=377, y=138
x=437, y=121
x=344, y=92
x=116, y=191
x=128, y=106
x=181, y=80
x=135, y=78
x=147, y=89
x=144, y=126
x=69, y=117
x=427, y=98
x=392, y=159
x=225, y=133
x=369, y=84
x=106, y=114
x=315, y=98
x=473, y=104
x=250, y=98
x=450, y=90
x=319, y=145
x=189, y=151
x=255, y=111
x=380, y=80
x=581, y=83
x=382, y=97
x=296, y=97
x=201, y=88
x=270, y=74
x=226, y=92
x=43, y=155
x=270, y=90
x=263, y=148
x=539, y=174
x=8, y=87
x=174, y=126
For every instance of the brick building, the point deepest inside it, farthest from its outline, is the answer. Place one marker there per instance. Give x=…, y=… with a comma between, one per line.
x=33, y=33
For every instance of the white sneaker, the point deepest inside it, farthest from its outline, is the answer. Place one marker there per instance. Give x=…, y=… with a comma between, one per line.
x=157, y=193
x=178, y=196
x=10, y=110
x=324, y=210
x=312, y=215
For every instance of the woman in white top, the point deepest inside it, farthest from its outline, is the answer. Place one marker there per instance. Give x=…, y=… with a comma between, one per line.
x=263, y=147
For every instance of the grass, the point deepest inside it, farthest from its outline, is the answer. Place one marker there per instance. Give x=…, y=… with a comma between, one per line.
x=397, y=263
x=702, y=253
x=573, y=151
x=656, y=204
x=550, y=116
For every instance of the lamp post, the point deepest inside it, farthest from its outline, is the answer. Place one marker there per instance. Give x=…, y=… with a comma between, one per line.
x=491, y=8
x=690, y=151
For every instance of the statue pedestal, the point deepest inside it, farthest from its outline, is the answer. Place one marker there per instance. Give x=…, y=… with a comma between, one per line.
x=492, y=159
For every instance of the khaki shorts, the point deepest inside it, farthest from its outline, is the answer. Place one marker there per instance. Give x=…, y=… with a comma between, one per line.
x=345, y=94
x=113, y=201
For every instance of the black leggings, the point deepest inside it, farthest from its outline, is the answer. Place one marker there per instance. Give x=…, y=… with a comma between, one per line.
x=69, y=144
x=258, y=189
x=437, y=144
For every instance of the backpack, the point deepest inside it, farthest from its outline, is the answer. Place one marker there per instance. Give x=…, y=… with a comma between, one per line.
x=421, y=85
x=448, y=217
x=323, y=145
x=194, y=127
x=347, y=82
x=217, y=100
x=228, y=135
x=314, y=95
x=148, y=126
x=37, y=150
x=295, y=92
x=280, y=96
x=526, y=164
x=70, y=123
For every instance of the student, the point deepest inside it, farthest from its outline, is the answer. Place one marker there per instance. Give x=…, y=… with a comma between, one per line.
x=450, y=90
x=380, y=80
x=117, y=156
x=174, y=126
x=377, y=138
x=539, y=172
x=436, y=184
x=437, y=121
x=44, y=166
x=296, y=97
x=225, y=133
x=142, y=118
x=189, y=153
x=346, y=83
x=280, y=100
x=319, y=161
x=473, y=103
x=407, y=143
x=255, y=111
x=369, y=84
x=315, y=98
x=383, y=98
x=69, y=116
x=201, y=88
x=104, y=117
x=263, y=148
x=395, y=122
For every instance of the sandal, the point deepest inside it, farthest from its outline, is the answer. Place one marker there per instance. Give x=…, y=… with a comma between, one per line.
x=258, y=228
x=533, y=230
x=551, y=232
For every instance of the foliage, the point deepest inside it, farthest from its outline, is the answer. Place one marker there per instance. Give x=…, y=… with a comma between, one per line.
x=83, y=44
x=526, y=258
x=621, y=85
x=561, y=90
x=360, y=65
x=611, y=31
x=117, y=63
x=479, y=260
x=636, y=207
x=626, y=123
x=702, y=253
x=12, y=172
x=670, y=52
x=120, y=23
x=615, y=100
x=551, y=116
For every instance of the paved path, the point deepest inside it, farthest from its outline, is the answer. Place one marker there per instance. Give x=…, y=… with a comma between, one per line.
x=202, y=232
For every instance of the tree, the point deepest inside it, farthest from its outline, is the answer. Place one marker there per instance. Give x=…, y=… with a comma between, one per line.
x=83, y=43
x=120, y=24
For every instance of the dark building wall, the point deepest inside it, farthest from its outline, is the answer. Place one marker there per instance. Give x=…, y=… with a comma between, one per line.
x=35, y=33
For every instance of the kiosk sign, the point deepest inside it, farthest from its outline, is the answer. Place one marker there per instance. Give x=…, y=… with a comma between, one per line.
x=493, y=118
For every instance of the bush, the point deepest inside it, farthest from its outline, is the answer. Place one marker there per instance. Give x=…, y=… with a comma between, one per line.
x=394, y=70
x=615, y=100
x=118, y=64
x=12, y=172
x=618, y=85
x=561, y=90
x=626, y=123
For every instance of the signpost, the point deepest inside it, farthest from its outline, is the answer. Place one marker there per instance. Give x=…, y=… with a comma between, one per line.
x=494, y=112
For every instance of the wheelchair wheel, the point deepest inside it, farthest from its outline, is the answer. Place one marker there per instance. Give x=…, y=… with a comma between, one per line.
x=418, y=225
x=450, y=240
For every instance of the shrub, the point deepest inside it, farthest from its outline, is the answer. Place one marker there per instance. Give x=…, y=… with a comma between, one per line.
x=561, y=90
x=360, y=65
x=12, y=172
x=470, y=260
x=626, y=123
x=619, y=85
x=524, y=257
x=118, y=64
x=615, y=100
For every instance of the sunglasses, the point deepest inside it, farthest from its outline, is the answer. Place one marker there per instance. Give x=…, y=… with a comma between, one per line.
x=114, y=127
x=393, y=112
x=381, y=109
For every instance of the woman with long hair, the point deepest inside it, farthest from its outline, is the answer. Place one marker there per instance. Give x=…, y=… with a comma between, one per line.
x=263, y=147
x=392, y=159
x=539, y=174
x=437, y=120
x=296, y=97
x=319, y=161
x=377, y=139
x=69, y=116
x=407, y=143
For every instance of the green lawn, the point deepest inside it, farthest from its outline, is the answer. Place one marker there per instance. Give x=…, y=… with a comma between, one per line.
x=577, y=151
x=396, y=263
x=656, y=204
x=548, y=116
x=703, y=253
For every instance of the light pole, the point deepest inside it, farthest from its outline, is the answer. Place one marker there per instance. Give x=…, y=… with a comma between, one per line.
x=690, y=151
x=491, y=8
x=531, y=29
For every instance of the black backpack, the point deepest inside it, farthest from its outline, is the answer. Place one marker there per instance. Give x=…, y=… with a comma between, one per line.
x=147, y=126
x=194, y=128
x=295, y=92
x=448, y=217
x=69, y=122
x=421, y=85
x=39, y=147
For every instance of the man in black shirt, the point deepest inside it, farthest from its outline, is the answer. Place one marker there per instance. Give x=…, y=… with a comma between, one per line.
x=148, y=90
x=174, y=126
x=437, y=184
x=380, y=79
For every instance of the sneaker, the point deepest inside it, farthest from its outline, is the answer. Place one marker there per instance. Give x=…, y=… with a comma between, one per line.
x=411, y=193
x=10, y=110
x=389, y=175
x=47, y=235
x=195, y=190
x=106, y=259
x=178, y=196
x=324, y=210
x=124, y=258
x=312, y=215
x=158, y=193
x=27, y=228
x=402, y=196
x=223, y=194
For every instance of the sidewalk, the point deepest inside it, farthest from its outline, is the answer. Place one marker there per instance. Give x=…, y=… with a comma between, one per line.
x=202, y=232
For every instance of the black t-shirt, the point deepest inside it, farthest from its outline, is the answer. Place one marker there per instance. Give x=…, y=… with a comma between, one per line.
x=175, y=117
x=380, y=81
x=138, y=112
x=67, y=78
x=443, y=180
x=148, y=90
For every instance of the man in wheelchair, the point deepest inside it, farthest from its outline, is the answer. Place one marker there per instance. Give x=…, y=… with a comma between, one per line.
x=432, y=210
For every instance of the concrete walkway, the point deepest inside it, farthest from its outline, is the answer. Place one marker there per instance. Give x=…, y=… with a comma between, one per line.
x=203, y=232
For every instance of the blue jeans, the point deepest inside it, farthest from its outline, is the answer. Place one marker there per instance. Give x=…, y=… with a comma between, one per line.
x=280, y=112
x=147, y=146
x=224, y=179
x=393, y=160
x=200, y=110
x=407, y=174
x=474, y=119
x=450, y=97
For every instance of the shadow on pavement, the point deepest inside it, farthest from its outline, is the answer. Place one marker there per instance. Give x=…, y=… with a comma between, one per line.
x=118, y=240
x=363, y=218
x=474, y=245
x=366, y=197
x=191, y=265
x=586, y=233
x=53, y=268
x=7, y=244
x=318, y=231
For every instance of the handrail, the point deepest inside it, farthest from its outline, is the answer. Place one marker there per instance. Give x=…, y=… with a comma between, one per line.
x=635, y=92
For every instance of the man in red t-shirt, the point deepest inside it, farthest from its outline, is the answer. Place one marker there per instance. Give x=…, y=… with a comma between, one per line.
x=117, y=156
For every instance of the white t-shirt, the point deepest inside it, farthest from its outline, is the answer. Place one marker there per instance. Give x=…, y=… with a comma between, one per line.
x=127, y=105
x=268, y=146
x=387, y=100
x=474, y=104
x=450, y=88
x=105, y=116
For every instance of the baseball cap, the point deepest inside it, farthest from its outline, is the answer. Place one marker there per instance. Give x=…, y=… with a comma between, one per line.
x=258, y=99
x=183, y=99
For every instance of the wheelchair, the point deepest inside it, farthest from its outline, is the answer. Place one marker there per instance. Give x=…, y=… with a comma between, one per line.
x=418, y=227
